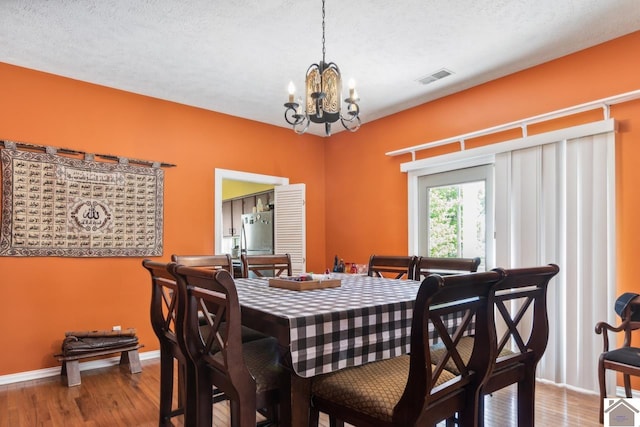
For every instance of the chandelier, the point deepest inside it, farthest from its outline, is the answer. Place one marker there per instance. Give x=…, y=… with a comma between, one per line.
x=322, y=104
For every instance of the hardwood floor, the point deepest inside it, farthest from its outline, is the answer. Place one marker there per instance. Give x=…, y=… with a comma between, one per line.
x=111, y=397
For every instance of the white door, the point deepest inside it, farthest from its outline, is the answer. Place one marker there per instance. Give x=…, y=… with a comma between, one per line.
x=290, y=224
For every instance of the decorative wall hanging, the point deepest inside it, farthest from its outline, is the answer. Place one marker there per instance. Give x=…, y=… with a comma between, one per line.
x=61, y=206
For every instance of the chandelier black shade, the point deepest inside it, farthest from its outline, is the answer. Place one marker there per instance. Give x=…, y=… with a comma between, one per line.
x=323, y=87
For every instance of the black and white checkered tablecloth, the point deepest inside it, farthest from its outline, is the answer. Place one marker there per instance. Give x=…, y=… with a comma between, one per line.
x=364, y=320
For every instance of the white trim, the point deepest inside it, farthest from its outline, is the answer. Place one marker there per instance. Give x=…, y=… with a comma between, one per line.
x=603, y=104
x=451, y=161
x=219, y=175
x=84, y=366
x=574, y=388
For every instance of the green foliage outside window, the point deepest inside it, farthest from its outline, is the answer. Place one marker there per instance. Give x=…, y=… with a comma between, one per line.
x=456, y=220
x=444, y=207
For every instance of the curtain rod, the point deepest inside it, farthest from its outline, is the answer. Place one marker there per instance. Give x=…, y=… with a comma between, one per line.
x=54, y=150
x=603, y=103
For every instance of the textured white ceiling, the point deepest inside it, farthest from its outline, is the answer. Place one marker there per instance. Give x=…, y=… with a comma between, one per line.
x=237, y=57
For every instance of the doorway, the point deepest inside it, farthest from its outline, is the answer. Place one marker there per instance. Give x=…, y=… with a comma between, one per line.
x=220, y=175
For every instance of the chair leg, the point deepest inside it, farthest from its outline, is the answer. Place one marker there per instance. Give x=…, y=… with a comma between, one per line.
x=204, y=403
x=627, y=385
x=603, y=388
x=526, y=399
x=190, y=396
x=243, y=413
x=166, y=386
x=314, y=416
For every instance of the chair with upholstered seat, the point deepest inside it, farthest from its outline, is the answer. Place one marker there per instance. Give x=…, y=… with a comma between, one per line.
x=425, y=266
x=167, y=324
x=215, y=262
x=412, y=389
x=522, y=328
x=626, y=358
x=249, y=374
x=266, y=265
x=394, y=266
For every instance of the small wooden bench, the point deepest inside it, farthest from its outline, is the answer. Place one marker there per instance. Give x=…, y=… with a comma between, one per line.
x=71, y=366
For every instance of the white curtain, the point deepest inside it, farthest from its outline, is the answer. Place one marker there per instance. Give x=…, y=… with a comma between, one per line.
x=555, y=203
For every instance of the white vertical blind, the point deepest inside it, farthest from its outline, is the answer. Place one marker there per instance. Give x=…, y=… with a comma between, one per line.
x=556, y=204
x=290, y=224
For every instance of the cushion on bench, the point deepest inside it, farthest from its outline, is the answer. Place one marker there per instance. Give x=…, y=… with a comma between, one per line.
x=73, y=345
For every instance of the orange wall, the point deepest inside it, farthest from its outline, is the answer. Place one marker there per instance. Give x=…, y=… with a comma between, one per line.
x=43, y=297
x=356, y=200
x=369, y=214
x=375, y=199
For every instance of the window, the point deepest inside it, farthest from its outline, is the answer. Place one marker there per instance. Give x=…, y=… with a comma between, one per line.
x=455, y=214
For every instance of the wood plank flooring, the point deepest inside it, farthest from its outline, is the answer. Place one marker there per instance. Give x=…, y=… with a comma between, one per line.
x=110, y=397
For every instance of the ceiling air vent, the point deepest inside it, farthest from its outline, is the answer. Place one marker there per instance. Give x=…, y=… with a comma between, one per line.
x=440, y=74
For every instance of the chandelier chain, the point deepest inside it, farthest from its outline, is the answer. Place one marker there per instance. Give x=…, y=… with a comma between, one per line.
x=323, y=48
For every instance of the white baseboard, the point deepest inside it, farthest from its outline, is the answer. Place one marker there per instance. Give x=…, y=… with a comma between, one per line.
x=84, y=366
x=567, y=386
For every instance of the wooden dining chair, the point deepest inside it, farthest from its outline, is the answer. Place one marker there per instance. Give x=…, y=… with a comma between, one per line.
x=249, y=373
x=216, y=262
x=266, y=265
x=394, y=266
x=167, y=324
x=425, y=266
x=413, y=389
x=522, y=328
x=626, y=357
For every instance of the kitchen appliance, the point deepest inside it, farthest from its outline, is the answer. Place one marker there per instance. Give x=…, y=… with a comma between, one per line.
x=257, y=233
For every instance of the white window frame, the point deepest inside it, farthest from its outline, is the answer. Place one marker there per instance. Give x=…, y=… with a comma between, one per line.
x=413, y=188
x=480, y=172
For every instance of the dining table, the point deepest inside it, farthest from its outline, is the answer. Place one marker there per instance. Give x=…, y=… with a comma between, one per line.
x=363, y=320
x=322, y=330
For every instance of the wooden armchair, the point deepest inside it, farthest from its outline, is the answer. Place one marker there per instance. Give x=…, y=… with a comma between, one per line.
x=266, y=265
x=424, y=266
x=414, y=389
x=397, y=267
x=167, y=324
x=626, y=358
x=215, y=262
x=249, y=374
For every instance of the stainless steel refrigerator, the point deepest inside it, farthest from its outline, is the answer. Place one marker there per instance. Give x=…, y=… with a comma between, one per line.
x=257, y=233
